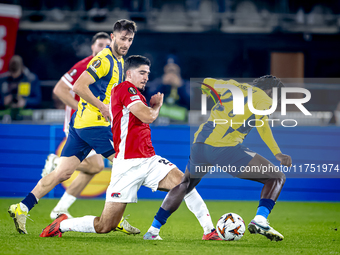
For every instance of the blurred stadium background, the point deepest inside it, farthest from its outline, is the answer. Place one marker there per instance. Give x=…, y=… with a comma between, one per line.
x=204, y=38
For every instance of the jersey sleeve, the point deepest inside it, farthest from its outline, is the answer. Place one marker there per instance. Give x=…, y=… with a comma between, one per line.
x=73, y=74
x=129, y=96
x=211, y=82
x=98, y=67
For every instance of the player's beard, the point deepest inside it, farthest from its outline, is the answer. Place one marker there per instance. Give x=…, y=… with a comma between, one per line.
x=142, y=89
x=116, y=48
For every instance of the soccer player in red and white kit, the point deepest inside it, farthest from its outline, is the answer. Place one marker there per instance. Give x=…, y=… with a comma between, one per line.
x=93, y=164
x=135, y=162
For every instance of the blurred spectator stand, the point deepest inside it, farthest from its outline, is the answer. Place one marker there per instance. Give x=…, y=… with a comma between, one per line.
x=176, y=92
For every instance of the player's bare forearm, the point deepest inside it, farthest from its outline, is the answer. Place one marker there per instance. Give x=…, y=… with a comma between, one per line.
x=63, y=92
x=155, y=111
x=145, y=114
x=156, y=103
x=81, y=87
x=267, y=136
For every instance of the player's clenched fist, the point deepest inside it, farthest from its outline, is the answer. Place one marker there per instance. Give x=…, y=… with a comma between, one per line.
x=104, y=109
x=284, y=159
x=157, y=100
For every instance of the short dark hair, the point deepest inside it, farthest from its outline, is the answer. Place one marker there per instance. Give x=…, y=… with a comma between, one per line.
x=268, y=82
x=100, y=35
x=124, y=24
x=136, y=61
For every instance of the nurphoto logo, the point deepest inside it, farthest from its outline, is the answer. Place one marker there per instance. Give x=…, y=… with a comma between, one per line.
x=237, y=97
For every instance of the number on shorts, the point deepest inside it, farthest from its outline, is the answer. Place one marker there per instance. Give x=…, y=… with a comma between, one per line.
x=165, y=162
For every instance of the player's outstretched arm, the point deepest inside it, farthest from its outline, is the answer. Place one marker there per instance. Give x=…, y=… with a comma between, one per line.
x=62, y=91
x=267, y=136
x=148, y=114
x=81, y=87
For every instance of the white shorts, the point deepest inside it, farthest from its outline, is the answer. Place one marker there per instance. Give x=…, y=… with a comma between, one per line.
x=128, y=175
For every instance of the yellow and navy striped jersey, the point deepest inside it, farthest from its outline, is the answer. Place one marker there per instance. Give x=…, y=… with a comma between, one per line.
x=229, y=129
x=107, y=72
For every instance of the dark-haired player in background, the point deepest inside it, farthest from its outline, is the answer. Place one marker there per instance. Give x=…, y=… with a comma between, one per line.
x=93, y=163
x=90, y=124
x=221, y=144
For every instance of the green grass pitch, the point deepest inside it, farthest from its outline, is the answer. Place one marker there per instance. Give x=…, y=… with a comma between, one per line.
x=309, y=228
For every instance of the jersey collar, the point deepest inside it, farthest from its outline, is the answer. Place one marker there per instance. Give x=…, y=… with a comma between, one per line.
x=108, y=46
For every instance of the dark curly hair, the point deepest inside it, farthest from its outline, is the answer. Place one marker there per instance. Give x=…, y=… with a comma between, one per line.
x=268, y=82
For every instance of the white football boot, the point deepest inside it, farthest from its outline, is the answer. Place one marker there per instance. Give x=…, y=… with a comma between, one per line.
x=149, y=236
x=261, y=226
x=50, y=164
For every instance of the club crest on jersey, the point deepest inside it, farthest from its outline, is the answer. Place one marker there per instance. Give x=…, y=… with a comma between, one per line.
x=96, y=63
x=73, y=72
x=132, y=91
x=116, y=194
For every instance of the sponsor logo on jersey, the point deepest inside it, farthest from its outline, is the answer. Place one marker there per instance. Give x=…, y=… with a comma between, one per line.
x=134, y=98
x=96, y=63
x=132, y=91
x=73, y=72
x=116, y=194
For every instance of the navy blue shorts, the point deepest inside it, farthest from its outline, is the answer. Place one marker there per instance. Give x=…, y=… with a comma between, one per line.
x=205, y=158
x=81, y=141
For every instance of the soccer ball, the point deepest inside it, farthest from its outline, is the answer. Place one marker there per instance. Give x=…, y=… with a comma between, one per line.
x=230, y=227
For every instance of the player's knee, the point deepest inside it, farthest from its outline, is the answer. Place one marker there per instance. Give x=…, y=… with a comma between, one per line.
x=185, y=182
x=63, y=175
x=97, y=168
x=282, y=178
x=192, y=184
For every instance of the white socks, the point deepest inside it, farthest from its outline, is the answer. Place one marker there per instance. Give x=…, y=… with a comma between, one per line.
x=65, y=202
x=83, y=224
x=260, y=219
x=197, y=206
x=154, y=231
x=23, y=207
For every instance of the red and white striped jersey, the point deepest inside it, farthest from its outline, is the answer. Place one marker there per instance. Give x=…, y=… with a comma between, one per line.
x=131, y=137
x=70, y=78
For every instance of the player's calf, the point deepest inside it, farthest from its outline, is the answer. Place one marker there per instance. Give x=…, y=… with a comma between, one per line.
x=102, y=227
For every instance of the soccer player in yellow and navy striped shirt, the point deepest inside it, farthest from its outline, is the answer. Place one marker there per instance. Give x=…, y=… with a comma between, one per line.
x=221, y=145
x=236, y=128
x=90, y=124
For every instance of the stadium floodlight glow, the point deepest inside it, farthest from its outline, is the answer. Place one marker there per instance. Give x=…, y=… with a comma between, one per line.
x=238, y=100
